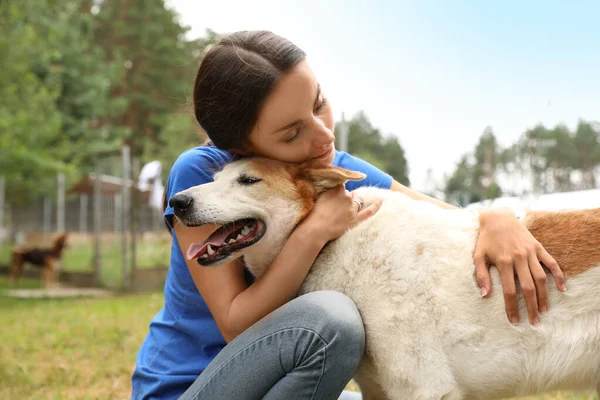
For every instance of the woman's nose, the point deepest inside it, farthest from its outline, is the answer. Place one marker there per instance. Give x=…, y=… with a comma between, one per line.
x=323, y=136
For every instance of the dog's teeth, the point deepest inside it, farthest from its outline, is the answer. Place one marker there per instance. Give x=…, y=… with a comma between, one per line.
x=245, y=230
x=232, y=240
x=204, y=256
x=210, y=251
x=239, y=236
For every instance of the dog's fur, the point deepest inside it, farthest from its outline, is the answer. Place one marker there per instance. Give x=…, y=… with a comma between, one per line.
x=410, y=271
x=44, y=258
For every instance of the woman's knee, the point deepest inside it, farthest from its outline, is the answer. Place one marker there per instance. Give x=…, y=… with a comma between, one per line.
x=336, y=319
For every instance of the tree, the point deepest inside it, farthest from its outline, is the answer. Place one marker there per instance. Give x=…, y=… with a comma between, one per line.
x=367, y=143
x=587, y=144
x=560, y=158
x=156, y=67
x=475, y=176
x=487, y=154
x=35, y=39
x=179, y=129
x=549, y=159
x=81, y=78
x=459, y=186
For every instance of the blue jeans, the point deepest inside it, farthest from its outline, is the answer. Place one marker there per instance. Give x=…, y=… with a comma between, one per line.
x=307, y=349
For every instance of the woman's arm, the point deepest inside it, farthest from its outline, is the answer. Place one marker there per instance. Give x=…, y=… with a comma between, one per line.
x=413, y=194
x=235, y=305
x=504, y=242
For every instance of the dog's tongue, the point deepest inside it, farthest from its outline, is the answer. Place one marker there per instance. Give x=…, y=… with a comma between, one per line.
x=196, y=249
x=215, y=240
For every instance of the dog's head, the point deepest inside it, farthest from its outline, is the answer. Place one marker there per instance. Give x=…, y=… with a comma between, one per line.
x=258, y=202
x=59, y=242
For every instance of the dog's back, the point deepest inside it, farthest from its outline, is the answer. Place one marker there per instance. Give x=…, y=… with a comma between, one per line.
x=36, y=256
x=410, y=271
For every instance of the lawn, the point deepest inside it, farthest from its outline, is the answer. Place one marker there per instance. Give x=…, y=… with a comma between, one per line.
x=81, y=349
x=71, y=349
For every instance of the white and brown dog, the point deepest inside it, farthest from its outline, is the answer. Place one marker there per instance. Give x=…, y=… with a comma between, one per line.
x=410, y=271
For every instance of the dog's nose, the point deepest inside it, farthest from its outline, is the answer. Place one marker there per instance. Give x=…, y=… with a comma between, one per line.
x=181, y=203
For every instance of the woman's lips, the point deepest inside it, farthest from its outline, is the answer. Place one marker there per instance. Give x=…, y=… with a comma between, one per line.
x=324, y=154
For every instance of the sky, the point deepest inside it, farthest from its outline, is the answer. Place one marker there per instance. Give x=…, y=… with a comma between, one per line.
x=435, y=73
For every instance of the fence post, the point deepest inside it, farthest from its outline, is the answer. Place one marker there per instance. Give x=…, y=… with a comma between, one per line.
x=47, y=218
x=83, y=213
x=135, y=170
x=97, y=228
x=60, y=212
x=3, y=231
x=126, y=214
x=60, y=204
x=343, y=134
x=118, y=213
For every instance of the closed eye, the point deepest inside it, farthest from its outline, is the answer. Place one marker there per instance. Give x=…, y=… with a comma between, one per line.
x=248, y=180
x=294, y=137
x=320, y=107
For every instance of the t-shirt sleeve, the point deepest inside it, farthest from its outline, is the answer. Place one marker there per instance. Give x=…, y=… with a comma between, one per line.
x=375, y=176
x=192, y=168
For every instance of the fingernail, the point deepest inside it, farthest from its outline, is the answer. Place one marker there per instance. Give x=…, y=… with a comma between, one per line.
x=564, y=287
x=514, y=320
x=545, y=309
x=484, y=291
x=536, y=320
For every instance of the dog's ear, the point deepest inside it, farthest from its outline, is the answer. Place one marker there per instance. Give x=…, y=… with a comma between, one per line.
x=327, y=178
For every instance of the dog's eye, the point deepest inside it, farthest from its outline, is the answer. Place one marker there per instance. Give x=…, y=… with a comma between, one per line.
x=248, y=180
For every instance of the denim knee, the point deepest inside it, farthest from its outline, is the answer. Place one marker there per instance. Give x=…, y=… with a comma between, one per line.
x=336, y=319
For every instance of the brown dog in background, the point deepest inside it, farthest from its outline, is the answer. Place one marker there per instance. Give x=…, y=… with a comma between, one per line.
x=44, y=258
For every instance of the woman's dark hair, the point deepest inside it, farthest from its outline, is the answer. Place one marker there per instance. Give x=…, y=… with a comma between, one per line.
x=233, y=81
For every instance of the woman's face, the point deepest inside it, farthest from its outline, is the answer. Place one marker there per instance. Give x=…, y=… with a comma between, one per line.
x=296, y=122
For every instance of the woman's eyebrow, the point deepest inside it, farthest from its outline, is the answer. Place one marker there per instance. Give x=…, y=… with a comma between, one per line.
x=298, y=122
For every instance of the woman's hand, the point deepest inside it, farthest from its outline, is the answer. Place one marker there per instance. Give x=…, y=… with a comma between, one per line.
x=335, y=212
x=507, y=244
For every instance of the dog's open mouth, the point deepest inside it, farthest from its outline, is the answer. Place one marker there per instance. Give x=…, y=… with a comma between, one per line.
x=227, y=239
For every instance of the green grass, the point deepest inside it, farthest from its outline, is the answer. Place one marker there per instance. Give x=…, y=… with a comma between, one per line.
x=79, y=257
x=71, y=349
x=4, y=253
x=83, y=348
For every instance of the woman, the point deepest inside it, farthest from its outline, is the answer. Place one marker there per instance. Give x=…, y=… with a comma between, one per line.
x=222, y=336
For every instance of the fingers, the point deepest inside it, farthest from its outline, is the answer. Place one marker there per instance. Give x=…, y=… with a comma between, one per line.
x=482, y=273
x=550, y=263
x=528, y=288
x=510, y=292
x=368, y=211
x=540, y=280
x=358, y=203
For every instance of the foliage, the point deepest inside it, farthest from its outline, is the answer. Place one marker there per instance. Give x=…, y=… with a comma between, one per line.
x=81, y=78
x=367, y=143
x=542, y=160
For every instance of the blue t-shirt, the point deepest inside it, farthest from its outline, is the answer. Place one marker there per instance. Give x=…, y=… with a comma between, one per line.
x=183, y=336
